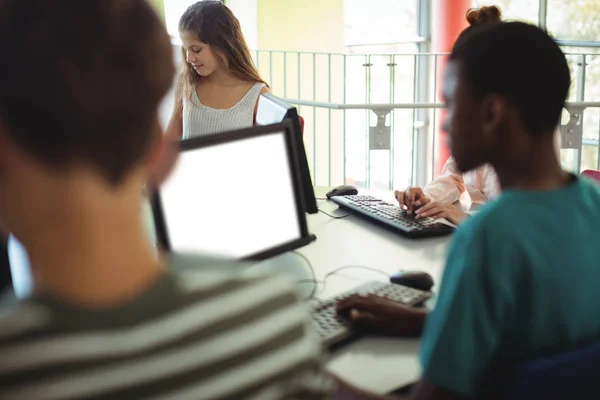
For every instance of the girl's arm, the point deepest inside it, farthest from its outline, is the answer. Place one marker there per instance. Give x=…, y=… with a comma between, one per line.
x=168, y=149
x=175, y=127
x=448, y=187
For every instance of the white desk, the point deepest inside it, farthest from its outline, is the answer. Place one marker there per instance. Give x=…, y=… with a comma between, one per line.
x=379, y=365
x=376, y=364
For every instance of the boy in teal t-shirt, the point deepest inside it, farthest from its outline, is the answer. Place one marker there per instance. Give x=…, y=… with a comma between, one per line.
x=521, y=280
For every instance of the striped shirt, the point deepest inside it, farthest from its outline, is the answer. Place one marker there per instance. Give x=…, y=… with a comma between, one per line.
x=190, y=336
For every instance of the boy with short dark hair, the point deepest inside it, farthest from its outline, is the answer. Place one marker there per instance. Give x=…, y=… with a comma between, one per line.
x=521, y=277
x=80, y=84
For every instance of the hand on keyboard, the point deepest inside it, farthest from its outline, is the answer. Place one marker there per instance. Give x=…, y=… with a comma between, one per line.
x=384, y=316
x=442, y=210
x=411, y=198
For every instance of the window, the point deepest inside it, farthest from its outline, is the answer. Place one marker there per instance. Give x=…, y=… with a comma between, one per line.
x=570, y=20
x=523, y=10
x=574, y=19
x=379, y=21
x=587, y=90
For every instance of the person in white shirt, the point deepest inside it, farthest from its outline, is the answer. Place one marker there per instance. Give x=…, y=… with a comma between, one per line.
x=436, y=199
x=219, y=87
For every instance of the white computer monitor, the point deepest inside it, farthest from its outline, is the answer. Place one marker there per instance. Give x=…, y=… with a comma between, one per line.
x=235, y=195
x=271, y=110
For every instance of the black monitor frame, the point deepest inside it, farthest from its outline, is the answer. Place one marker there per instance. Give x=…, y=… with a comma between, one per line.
x=5, y=273
x=310, y=202
x=226, y=137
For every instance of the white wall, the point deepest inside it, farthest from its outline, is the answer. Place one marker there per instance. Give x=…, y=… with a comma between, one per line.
x=174, y=9
x=247, y=12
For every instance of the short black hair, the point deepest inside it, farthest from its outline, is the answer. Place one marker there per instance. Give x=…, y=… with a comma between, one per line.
x=81, y=80
x=520, y=62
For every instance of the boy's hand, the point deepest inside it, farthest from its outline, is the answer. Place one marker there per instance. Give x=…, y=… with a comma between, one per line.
x=382, y=315
x=442, y=210
x=412, y=198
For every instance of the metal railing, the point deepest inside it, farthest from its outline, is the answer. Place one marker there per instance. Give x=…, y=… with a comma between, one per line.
x=371, y=119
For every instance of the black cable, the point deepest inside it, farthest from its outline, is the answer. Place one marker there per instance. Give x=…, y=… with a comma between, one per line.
x=336, y=216
x=330, y=215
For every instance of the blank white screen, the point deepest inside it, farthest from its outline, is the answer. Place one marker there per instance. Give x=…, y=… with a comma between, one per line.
x=269, y=112
x=233, y=199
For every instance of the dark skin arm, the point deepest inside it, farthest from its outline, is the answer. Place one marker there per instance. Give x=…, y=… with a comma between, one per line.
x=384, y=316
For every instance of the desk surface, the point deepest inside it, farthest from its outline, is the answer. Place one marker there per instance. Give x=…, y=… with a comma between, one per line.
x=376, y=364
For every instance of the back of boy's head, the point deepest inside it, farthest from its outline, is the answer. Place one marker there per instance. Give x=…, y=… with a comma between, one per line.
x=81, y=80
x=521, y=63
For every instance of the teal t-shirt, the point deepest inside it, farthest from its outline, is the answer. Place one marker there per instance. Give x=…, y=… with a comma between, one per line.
x=522, y=280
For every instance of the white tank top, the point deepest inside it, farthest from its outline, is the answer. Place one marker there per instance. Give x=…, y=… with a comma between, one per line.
x=200, y=120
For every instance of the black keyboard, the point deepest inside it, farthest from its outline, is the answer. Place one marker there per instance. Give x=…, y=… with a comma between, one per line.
x=392, y=216
x=335, y=329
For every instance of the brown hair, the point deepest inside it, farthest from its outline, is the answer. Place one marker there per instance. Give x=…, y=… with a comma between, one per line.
x=479, y=17
x=214, y=24
x=94, y=98
x=484, y=15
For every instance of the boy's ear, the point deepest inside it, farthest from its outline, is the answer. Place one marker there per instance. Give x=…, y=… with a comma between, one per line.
x=162, y=157
x=494, y=115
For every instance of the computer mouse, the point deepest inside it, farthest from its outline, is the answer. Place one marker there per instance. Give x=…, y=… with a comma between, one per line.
x=413, y=279
x=343, y=190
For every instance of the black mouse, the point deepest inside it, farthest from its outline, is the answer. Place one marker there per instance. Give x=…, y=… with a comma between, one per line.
x=343, y=190
x=413, y=279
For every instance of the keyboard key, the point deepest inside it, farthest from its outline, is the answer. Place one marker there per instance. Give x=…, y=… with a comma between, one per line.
x=332, y=328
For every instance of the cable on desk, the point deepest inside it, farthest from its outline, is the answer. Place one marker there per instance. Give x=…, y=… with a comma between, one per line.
x=312, y=273
x=335, y=271
x=336, y=216
x=316, y=282
x=330, y=215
